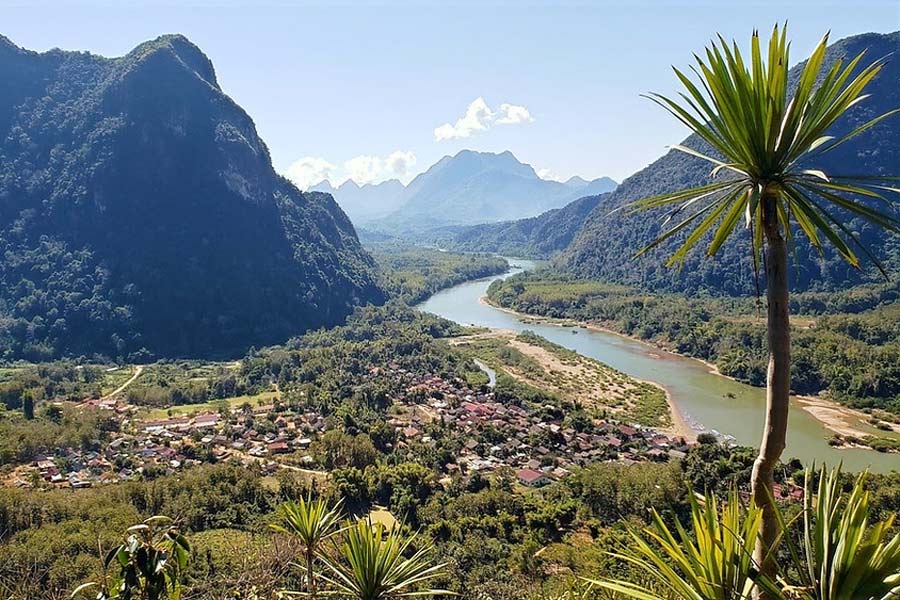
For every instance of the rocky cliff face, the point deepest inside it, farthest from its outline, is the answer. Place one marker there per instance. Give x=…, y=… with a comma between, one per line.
x=139, y=210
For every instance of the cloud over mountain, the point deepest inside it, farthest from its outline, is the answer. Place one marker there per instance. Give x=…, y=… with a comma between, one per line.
x=310, y=170
x=481, y=117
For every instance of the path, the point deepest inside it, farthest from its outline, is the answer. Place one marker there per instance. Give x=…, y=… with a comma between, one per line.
x=138, y=369
x=492, y=375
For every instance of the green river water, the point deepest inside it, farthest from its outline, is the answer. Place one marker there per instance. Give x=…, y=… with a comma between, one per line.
x=708, y=401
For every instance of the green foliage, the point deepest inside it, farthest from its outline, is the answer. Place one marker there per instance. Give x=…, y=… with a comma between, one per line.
x=845, y=555
x=146, y=566
x=374, y=564
x=609, y=236
x=23, y=439
x=536, y=237
x=205, y=254
x=412, y=274
x=745, y=113
x=711, y=561
x=311, y=522
x=851, y=357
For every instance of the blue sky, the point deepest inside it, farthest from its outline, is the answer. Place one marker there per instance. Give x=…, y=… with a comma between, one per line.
x=364, y=88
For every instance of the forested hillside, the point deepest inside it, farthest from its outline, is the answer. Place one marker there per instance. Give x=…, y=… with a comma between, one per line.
x=140, y=214
x=535, y=237
x=604, y=248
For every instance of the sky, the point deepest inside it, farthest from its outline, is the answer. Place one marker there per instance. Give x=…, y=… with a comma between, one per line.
x=376, y=90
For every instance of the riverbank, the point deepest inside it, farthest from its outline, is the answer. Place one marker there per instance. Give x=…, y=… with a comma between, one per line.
x=607, y=383
x=836, y=418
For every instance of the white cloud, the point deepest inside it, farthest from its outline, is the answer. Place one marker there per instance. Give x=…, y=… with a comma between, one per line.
x=481, y=117
x=362, y=169
x=548, y=175
x=513, y=115
x=400, y=164
x=477, y=118
x=308, y=171
x=372, y=169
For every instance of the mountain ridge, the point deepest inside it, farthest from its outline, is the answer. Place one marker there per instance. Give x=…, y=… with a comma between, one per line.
x=142, y=215
x=444, y=194
x=474, y=187
x=604, y=247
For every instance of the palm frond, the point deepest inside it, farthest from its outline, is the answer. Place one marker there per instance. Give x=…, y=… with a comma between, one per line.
x=380, y=565
x=712, y=562
x=765, y=139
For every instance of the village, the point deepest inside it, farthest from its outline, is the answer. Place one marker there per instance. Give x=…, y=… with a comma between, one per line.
x=530, y=440
x=491, y=435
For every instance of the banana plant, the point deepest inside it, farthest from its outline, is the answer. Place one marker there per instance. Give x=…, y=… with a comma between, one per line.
x=380, y=564
x=713, y=561
x=145, y=566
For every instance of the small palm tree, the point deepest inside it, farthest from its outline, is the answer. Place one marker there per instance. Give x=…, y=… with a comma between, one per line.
x=376, y=566
x=145, y=566
x=843, y=556
x=311, y=522
x=767, y=141
x=714, y=562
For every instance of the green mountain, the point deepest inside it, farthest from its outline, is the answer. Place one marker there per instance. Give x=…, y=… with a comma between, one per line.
x=140, y=214
x=603, y=249
x=535, y=237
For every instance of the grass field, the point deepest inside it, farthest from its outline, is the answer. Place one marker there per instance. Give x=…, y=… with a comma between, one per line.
x=211, y=406
x=585, y=382
x=381, y=515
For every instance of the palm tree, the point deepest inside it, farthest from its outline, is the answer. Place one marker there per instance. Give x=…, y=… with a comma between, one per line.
x=714, y=562
x=767, y=140
x=145, y=566
x=311, y=522
x=377, y=567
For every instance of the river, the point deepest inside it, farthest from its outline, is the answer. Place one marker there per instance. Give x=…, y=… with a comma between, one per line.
x=707, y=401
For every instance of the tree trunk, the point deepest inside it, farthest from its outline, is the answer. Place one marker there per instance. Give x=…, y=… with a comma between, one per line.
x=310, y=574
x=778, y=386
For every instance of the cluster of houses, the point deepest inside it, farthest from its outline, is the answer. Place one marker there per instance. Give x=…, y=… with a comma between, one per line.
x=538, y=447
x=252, y=435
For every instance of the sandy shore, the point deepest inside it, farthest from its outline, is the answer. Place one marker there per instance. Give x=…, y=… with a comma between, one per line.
x=834, y=417
x=679, y=427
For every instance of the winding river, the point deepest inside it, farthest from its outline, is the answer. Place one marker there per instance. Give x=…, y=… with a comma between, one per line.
x=707, y=401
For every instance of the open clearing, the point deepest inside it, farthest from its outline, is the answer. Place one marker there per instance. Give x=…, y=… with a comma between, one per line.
x=574, y=378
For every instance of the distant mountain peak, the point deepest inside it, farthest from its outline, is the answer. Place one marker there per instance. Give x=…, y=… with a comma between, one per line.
x=576, y=181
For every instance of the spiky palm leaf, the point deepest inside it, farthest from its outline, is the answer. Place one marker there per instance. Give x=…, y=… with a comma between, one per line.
x=377, y=567
x=844, y=556
x=744, y=111
x=712, y=563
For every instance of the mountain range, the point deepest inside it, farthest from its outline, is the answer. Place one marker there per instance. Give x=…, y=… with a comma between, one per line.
x=467, y=188
x=140, y=214
x=604, y=247
x=604, y=240
x=367, y=202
